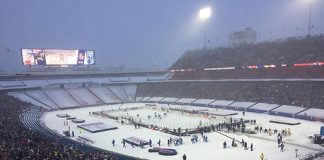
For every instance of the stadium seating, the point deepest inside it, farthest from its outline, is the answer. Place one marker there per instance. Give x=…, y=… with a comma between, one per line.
x=23, y=136
x=71, y=96
x=308, y=94
x=298, y=57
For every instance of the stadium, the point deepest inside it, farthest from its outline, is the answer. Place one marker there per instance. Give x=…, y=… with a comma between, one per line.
x=249, y=101
x=177, y=104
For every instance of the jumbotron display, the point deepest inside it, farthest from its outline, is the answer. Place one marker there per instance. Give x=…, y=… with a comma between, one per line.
x=57, y=57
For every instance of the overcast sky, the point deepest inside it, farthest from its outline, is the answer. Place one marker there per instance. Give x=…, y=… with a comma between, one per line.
x=143, y=33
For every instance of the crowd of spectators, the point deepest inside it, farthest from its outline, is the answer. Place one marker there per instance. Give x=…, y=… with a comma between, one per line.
x=269, y=73
x=299, y=93
x=288, y=51
x=19, y=142
x=281, y=53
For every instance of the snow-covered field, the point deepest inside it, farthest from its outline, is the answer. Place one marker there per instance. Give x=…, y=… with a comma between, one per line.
x=169, y=119
x=211, y=150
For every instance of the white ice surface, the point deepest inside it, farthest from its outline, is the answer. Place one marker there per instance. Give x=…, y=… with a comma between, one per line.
x=263, y=143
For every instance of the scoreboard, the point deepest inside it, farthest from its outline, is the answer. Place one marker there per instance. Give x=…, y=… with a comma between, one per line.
x=49, y=57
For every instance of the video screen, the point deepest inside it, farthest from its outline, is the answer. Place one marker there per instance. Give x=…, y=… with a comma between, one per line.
x=57, y=57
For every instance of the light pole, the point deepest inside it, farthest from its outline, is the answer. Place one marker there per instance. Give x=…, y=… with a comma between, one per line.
x=204, y=14
x=309, y=17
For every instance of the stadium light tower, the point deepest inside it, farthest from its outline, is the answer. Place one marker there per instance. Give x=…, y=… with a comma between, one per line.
x=204, y=14
x=309, y=16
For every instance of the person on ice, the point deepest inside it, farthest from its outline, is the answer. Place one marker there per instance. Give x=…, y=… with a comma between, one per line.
x=150, y=143
x=224, y=144
x=124, y=143
x=262, y=156
x=180, y=140
x=233, y=142
x=141, y=145
x=251, y=146
x=113, y=142
x=282, y=147
x=245, y=146
x=184, y=157
x=159, y=142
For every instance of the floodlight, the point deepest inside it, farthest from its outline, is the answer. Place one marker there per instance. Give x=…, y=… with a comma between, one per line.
x=204, y=13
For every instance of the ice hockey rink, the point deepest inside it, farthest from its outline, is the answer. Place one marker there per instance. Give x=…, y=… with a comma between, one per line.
x=211, y=150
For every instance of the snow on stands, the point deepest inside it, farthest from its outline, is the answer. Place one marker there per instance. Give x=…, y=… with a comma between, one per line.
x=41, y=97
x=105, y=94
x=155, y=99
x=211, y=150
x=130, y=92
x=241, y=105
x=169, y=100
x=101, y=80
x=35, y=83
x=157, y=78
x=315, y=113
x=138, y=79
x=145, y=99
x=203, y=101
x=287, y=110
x=118, y=90
x=83, y=96
x=185, y=100
x=58, y=81
x=138, y=99
x=80, y=80
x=221, y=103
x=28, y=99
x=263, y=107
x=119, y=79
x=61, y=98
x=8, y=84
